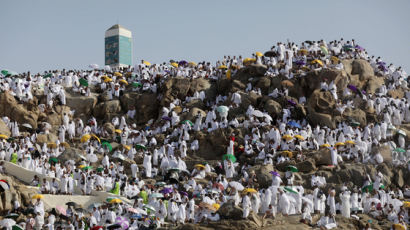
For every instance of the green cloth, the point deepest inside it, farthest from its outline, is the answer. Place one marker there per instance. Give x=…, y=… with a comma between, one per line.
x=116, y=189
x=14, y=158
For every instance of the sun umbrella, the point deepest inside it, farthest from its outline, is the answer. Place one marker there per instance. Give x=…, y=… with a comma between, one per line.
x=92, y=158
x=191, y=63
x=222, y=67
x=174, y=169
x=4, y=185
x=108, y=80
x=339, y=144
x=299, y=137
x=140, y=146
x=61, y=210
x=114, y=226
x=334, y=59
x=149, y=207
x=37, y=196
x=398, y=227
x=95, y=205
x=118, y=131
x=259, y=54
x=160, y=184
x=287, y=153
x=118, y=74
x=182, y=63
x=100, y=169
x=115, y=201
x=52, y=159
x=95, y=137
x=122, y=221
x=275, y=173
x=174, y=64
x=106, y=144
x=290, y=190
x=137, y=210
x=317, y=61
x=249, y=190
x=325, y=146
x=71, y=203
x=188, y=122
x=83, y=82
x=257, y=113
x=354, y=123
x=352, y=88
x=123, y=82
x=87, y=168
x=248, y=60
x=147, y=63
x=292, y=168
x=52, y=145
x=166, y=190
x=2, y=136
x=156, y=195
x=94, y=66
x=287, y=83
x=324, y=50
x=270, y=53
x=6, y=72
x=27, y=126
x=16, y=227
x=238, y=186
x=294, y=124
x=400, y=150
x=300, y=62
x=136, y=84
x=127, y=147
x=85, y=138
x=200, y=166
x=401, y=132
x=222, y=109
x=8, y=223
x=229, y=157
x=303, y=51
x=350, y=142
x=218, y=186
x=287, y=137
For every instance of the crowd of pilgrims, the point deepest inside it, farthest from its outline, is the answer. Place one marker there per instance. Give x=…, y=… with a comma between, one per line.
x=178, y=197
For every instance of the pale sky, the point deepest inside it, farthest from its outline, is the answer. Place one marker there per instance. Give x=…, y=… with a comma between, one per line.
x=47, y=34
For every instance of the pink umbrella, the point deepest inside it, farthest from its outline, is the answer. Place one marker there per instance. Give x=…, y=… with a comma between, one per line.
x=123, y=222
x=61, y=210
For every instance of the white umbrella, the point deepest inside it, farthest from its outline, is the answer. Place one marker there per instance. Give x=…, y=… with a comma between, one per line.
x=27, y=125
x=94, y=66
x=267, y=116
x=401, y=132
x=257, y=113
x=238, y=186
x=107, y=68
x=92, y=158
x=8, y=223
x=222, y=109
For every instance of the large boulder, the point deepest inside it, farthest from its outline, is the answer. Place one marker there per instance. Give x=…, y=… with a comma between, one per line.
x=273, y=107
x=107, y=110
x=191, y=115
x=70, y=154
x=4, y=129
x=363, y=69
x=322, y=157
x=385, y=151
x=230, y=211
x=146, y=105
x=263, y=174
x=11, y=108
x=46, y=138
x=175, y=88
x=211, y=145
x=82, y=105
x=321, y=102
x=357, y=115
x=109, y=127
x=321, y=119
x=306, y=166
x=264, y=84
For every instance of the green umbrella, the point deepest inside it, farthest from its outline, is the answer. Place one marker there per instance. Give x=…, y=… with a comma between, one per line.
x=292, y=168
x=110, y=198
x=87, y=167
x=354, y=123
x=136, y=84
x=400, y=150
x=140, y=146
x=222, y=109
x=229, y=157
x=16, y=227
x=106, y=144
x=48, y=75
x=368, y=187
x=174, y=169
x=160, y=183
x=189, y=122
x=52, y=159
x=99, y=169
x=83, y=82
x=6, y=72
x=290, y=190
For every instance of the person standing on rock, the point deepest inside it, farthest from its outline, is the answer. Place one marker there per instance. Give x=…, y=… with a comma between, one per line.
x=246, y=206
x=334, y=156
x=147, y=165
x=345, y=208
x=331, y=201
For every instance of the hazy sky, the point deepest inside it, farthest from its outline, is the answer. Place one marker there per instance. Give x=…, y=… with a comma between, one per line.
x=48, y=34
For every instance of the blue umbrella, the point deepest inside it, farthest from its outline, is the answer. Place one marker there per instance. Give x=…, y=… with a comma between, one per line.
x=294, y=124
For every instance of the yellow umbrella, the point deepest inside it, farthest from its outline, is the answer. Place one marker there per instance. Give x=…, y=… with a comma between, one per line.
x=222, y=67
x=52, y=145
x=398, y=227
x=147, y=63
x=118, y=74
x=200, y=166
x=124, y=81
x=85, y=138
x=2, y=136
x=259, y=54
x=127, y=147
x=118, y=131
x=325, y=145
x=350, y=142
x=95, y=136
x=107, y=80
x=406, y=204
x=116, y=201
x=339, y=144
x=104, y=77
x=228, y=74
x=287, y=137
x=303, y=51
x=216, y=206
x=299, y=137
x=81, y=166
x=249, y=190
x=334, y=59
x=174, y=64
x=288, y=153
x=318, y=62
x=247, y=60
x=37, y=196
x=192, y=63
x=65, y=144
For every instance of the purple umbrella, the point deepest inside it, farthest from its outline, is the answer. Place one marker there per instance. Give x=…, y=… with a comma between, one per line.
x=292, y=102
x=182, y=63
x=352, y=87
x=166, y=118
x=300, y=62
x=274, y=173
x=166, y=190
x=123, y=222
x=359, y=48
x=183, y=193
x=381, y=63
